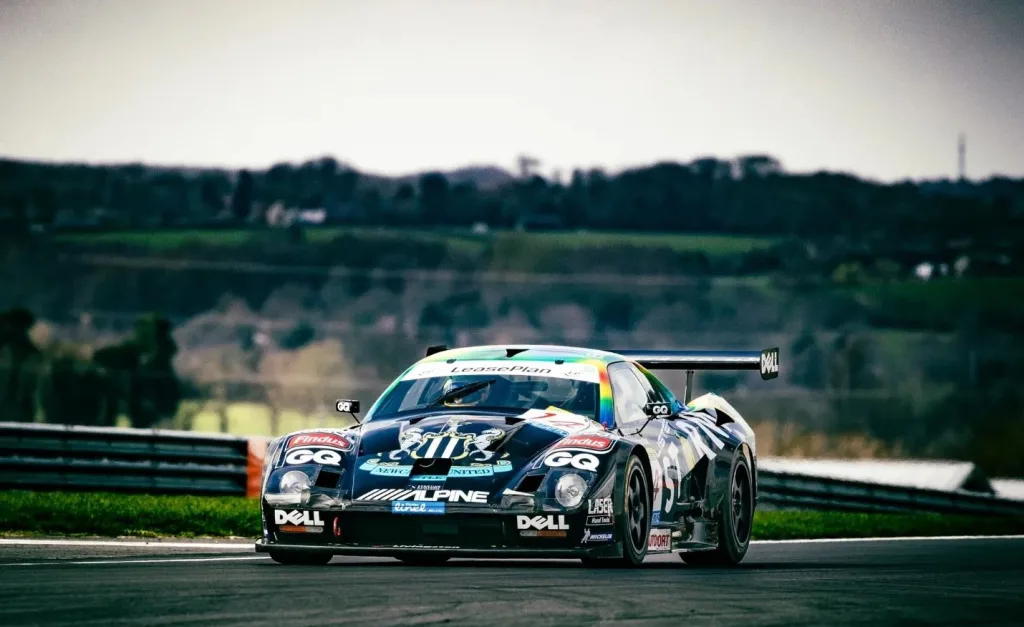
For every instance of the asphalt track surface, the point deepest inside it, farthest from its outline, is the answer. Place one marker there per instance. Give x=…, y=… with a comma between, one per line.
x=956, y=582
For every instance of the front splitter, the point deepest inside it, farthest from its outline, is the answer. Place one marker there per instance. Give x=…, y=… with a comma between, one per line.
x=606, y=551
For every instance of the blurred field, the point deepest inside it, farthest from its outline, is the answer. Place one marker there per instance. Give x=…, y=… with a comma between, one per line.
x=946, y=301
x=250, y=419
x=502, y=240
x=28, y=513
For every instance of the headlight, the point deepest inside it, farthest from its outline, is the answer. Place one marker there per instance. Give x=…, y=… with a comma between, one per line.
x=294, y=482
x=570, y=490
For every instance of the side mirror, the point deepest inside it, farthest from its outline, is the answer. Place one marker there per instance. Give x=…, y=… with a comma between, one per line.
x=346, y=406
x=658, y=410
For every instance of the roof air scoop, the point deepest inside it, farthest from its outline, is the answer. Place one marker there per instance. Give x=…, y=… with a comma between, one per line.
x=512, y=352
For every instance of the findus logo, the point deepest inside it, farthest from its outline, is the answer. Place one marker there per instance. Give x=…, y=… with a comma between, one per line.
x=451, y=496
x=332, y=440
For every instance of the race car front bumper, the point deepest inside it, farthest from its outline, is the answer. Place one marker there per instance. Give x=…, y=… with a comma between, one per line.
x=475, y=532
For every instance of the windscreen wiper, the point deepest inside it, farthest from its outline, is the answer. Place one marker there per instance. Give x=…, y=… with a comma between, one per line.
x=451, y=395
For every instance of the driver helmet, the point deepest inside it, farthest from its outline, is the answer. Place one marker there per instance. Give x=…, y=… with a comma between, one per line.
x=469, y=400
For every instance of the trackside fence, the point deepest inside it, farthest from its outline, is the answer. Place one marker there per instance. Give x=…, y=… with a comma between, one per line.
x=153, y=461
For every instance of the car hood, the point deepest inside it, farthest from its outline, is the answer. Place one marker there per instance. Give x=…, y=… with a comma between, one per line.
x=460, y=451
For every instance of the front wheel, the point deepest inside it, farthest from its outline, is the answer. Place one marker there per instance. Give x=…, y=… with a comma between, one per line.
x=634, y=525
x=735, y=520
x=301, y=558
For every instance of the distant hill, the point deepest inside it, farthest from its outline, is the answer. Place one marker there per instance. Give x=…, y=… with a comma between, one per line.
x=484, y=177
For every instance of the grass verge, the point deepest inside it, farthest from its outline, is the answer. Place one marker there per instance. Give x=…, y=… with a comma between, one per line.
x=100, y=514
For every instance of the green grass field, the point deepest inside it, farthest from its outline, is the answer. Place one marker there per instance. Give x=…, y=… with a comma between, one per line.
x=949, y=299
x=63, y=513
x=461, y=239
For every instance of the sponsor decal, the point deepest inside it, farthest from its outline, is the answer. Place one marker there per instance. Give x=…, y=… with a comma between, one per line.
x=437, y=478
x=394, y=469
x=542, y=526
x=324, y=457
x=588, y=442
x=540, y=424
x=577, y=372
x=329, y=440
x=346, y=406
x=597, y=521
x=418, y=495
x=297, y=521
x=448, y=443
x=769, y=363
x=405, y=507
x=658, y=410
x=581, y=461
x=600, y=506
x=660, y=541
x=589, y=536
x=558, y=420
x=656, y=518
x=428, y=486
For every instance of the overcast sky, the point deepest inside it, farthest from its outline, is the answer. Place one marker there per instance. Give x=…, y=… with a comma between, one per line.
x=877, y=88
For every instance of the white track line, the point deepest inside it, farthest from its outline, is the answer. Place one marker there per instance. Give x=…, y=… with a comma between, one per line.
x=153, y=561
x=896, y=539
x=227, y=546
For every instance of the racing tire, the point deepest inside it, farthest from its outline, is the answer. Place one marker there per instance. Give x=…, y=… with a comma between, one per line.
x=296, y=558
x=424, y=559
x=634, y=525
x=735, y=520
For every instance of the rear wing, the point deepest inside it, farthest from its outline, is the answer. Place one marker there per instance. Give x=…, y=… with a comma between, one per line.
x=766, y=361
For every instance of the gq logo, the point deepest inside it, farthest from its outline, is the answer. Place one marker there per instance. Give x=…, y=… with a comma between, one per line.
x=323, y=457
x=582, y=461
x=346, y=406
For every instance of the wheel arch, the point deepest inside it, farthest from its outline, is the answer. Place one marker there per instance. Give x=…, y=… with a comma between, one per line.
x=747, y=453
x=645, y=459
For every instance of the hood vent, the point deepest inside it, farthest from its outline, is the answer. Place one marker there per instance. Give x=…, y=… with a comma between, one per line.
x=431, y=467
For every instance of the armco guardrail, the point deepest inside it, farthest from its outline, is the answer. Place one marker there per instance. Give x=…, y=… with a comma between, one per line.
x=824, y=493
x=59, y=457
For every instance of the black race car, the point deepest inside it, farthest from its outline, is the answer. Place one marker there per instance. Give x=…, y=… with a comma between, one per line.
x=523, y=451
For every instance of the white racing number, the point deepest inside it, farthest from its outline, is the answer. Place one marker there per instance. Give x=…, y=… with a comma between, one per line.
x=324, y=457
x=582, y=461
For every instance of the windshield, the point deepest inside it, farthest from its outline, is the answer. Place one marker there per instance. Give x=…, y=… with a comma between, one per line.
x=496, y=386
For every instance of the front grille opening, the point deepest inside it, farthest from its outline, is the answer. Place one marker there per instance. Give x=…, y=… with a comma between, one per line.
x=530, y=483
x=327, y=479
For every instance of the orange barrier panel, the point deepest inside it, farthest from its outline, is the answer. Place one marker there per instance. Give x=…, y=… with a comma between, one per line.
x=254, y=466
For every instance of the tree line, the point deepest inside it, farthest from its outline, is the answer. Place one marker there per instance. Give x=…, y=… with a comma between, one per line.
x=748, y=195
x=59, y=383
